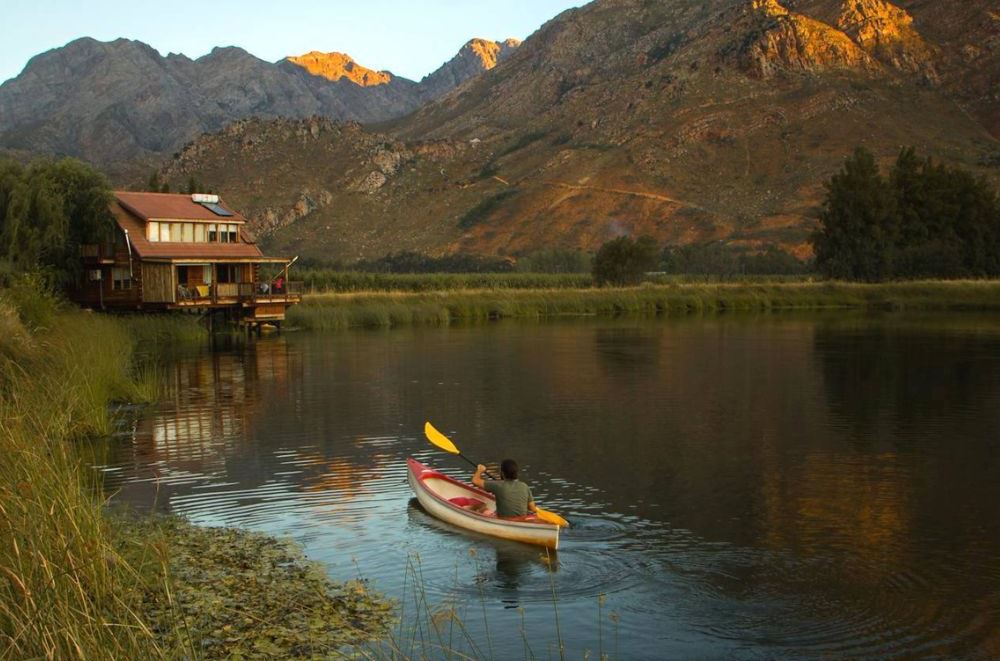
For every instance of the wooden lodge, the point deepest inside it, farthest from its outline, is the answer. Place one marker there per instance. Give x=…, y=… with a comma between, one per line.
x=185, y=252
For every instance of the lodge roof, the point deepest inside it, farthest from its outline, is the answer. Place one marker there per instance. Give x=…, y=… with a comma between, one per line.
x=168, y=206
x=130, y=220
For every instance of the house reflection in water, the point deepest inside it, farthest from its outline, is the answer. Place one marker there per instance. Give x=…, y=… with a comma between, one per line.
x=206, y=418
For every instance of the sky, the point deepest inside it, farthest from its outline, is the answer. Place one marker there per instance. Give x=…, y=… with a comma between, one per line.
x=411, y=38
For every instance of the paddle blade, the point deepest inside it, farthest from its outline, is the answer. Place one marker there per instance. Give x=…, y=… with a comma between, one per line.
x=439, y=439
x=551, y=517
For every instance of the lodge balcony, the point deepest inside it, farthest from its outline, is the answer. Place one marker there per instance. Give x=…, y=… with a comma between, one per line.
x=247, y=294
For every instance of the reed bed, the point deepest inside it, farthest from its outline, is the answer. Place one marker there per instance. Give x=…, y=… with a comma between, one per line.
x=66, y=591
x=332, y=311
x=322, y=280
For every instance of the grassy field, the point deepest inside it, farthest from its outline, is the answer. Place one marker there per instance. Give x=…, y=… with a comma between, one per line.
x=78, y=583
x=331, y=311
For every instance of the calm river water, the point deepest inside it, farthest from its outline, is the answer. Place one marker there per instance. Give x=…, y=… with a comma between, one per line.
x=739, y=486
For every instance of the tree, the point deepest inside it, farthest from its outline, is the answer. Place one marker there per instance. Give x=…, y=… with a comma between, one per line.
x=622, y=261
x=859, y=222
x=925, y=220
x=47, y=211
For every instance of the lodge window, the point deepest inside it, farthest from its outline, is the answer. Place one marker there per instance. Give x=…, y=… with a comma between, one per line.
x=227, y=233
x=120, y=279
x=226, y=273
x=157, y=231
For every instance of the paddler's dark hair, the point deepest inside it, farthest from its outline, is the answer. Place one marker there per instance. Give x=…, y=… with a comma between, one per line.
x=508, y=469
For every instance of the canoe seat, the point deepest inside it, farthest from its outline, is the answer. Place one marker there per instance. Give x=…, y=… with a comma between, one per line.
x=468, y=503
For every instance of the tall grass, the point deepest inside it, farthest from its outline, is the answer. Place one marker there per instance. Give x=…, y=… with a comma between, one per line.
x=386, y=310
x=66, y=591
x=75, y=583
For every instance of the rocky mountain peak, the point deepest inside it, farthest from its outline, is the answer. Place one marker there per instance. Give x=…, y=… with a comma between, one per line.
x=488, y=53
x=771, y=38
x=886, y=31
x=475, y=57
x=336, y=66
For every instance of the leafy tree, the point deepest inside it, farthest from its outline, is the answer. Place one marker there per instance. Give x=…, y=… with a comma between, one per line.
x=859, y=222
x=154, y=184
x=622, y=261
x=47, y=211
x=925, y=220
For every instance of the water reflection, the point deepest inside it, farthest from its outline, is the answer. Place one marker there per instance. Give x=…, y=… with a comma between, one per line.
x=739, y=486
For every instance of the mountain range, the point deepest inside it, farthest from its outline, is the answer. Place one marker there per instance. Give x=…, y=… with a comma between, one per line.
x=689, y=120
x=120, y=103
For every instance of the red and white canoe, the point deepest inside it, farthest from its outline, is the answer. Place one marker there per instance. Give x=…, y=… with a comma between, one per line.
x=469, y=507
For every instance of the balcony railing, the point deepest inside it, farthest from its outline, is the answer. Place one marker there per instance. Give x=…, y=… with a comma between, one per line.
x=271, y=291
x=241, y=291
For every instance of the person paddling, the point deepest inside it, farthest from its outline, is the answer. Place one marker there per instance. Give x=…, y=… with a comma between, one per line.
x=513, y=496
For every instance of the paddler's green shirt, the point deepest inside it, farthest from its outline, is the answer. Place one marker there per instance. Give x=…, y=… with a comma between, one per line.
x=513, y=496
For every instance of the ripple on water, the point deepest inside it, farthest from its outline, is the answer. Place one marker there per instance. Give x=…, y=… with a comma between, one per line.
x=595, y=558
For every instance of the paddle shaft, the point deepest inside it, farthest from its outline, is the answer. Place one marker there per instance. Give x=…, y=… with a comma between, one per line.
x=476, y=465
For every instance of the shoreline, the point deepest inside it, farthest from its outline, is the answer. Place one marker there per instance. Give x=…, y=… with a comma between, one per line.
x=380, y=309
x=78, y=579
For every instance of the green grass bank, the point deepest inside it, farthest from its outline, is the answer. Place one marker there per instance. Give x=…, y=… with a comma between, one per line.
x=334, y=311
x=77, y=582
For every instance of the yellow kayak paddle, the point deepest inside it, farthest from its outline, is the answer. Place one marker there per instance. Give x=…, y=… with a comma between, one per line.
x=440, y=440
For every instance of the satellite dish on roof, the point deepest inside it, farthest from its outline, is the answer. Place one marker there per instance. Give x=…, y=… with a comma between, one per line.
x=203, y=198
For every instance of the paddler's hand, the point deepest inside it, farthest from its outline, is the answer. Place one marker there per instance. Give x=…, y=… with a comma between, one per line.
x=477, y=479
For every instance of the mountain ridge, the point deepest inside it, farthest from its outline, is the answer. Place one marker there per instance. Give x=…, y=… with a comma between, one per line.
x=689, y=121
x=123, y=106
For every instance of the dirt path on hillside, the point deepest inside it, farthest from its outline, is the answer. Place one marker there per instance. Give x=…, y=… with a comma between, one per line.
x=620, y=191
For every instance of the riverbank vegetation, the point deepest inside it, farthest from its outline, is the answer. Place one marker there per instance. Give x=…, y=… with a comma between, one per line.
x=78, y=583
x=326, y=280
x=923, y=220
x=334, y=311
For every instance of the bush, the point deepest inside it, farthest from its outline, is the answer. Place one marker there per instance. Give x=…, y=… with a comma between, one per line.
x=622, y=261
x=724, y=261
x=35, y=302
x=556, y=260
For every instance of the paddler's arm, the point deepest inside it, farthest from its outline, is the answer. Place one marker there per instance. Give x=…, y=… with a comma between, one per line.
x=477, y=479
x=531, y=507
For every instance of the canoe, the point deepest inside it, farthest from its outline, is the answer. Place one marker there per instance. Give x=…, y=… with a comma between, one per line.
x=469, y=507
